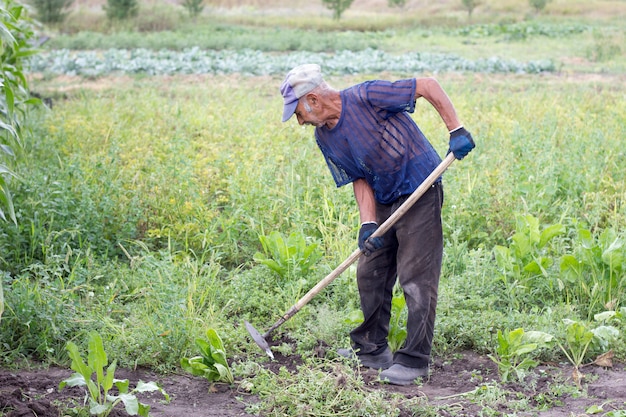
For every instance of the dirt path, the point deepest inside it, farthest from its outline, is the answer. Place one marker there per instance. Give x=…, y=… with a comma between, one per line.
x=30, y=393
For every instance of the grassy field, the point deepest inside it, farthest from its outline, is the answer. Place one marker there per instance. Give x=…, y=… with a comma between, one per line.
x=144, y=200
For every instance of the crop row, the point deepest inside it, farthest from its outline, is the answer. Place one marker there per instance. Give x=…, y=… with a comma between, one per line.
x=250, y=62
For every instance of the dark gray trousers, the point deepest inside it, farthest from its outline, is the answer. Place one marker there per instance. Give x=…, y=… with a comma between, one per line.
x=412, y=253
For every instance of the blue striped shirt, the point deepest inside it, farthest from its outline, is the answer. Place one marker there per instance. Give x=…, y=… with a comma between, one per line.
x=376, y=139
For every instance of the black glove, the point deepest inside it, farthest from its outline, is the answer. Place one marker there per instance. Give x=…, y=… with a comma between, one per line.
x=367, y=244
x=461, y=143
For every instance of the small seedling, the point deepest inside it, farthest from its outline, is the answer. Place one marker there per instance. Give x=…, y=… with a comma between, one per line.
x=211, y=363
x=101, y=400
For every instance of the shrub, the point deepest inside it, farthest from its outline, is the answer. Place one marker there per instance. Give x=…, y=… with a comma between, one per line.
x=337, y=7
x=538, y=5
x=193, y=7
x=52, y=11
x=121, y=9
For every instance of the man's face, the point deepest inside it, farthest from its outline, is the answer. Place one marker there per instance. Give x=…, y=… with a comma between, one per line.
x=306, y=115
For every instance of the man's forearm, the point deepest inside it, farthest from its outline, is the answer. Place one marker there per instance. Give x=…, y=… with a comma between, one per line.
x=364, y=196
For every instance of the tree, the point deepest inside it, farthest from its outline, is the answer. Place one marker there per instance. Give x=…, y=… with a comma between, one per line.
x=52, y=11
x=16, y=30
x=337, y=6
x=538, y=5
x=194, y=7
x=470, y=5
x=121, y=9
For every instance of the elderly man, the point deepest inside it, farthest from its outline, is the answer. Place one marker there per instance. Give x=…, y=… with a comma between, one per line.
x=369, y=139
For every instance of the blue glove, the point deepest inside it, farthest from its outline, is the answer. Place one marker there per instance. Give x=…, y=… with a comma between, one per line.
x=461, y=143
x=367, y=244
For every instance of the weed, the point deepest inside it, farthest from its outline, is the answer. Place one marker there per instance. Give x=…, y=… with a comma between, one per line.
x=525, y=262
x=212, y=363
x=578, y=340
x=514, y=349
x=289, y=258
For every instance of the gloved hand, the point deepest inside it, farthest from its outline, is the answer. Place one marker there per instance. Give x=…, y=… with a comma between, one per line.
x=367, y=244
x=461, y=142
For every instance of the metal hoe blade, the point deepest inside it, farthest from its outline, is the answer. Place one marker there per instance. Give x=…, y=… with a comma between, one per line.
x=259, y=339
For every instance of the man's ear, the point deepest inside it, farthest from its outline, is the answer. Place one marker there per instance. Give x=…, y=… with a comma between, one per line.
x=312, y=99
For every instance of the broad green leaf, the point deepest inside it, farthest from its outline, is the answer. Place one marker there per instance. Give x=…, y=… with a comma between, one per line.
x=571, y=268
x=224, y=373
x=525, y=349
x=97, y=358
x=534, y=268
x=147, y=387
x=98, y=409
x=606, y=333
x=217, y=346
x=540, y=338
x=594, y=409
x=586, y=238
x=605, y=316
x=528, y=363
x=94, y=390
x=144, y=410
x=550, y=232
x=613, y=255
x=205, y=350
x=194, y=366
x=503, y=256
x=76, y=380
x=78, y=364
x=107, y=381
x=515, y=337
x=122, y=385
x=131, y=404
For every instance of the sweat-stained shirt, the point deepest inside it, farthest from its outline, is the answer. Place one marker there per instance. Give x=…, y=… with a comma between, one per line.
x=376, y=139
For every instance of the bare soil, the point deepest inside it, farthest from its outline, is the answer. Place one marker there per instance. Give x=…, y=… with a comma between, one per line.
x=35, y=392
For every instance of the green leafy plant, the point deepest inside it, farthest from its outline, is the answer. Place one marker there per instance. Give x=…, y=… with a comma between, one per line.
x=592, y=274
x=514, y=349
x=288, y=257
x=526, y=259
x=16, y=31
x=211, y=363
x=578, y=340
x=101, y=399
